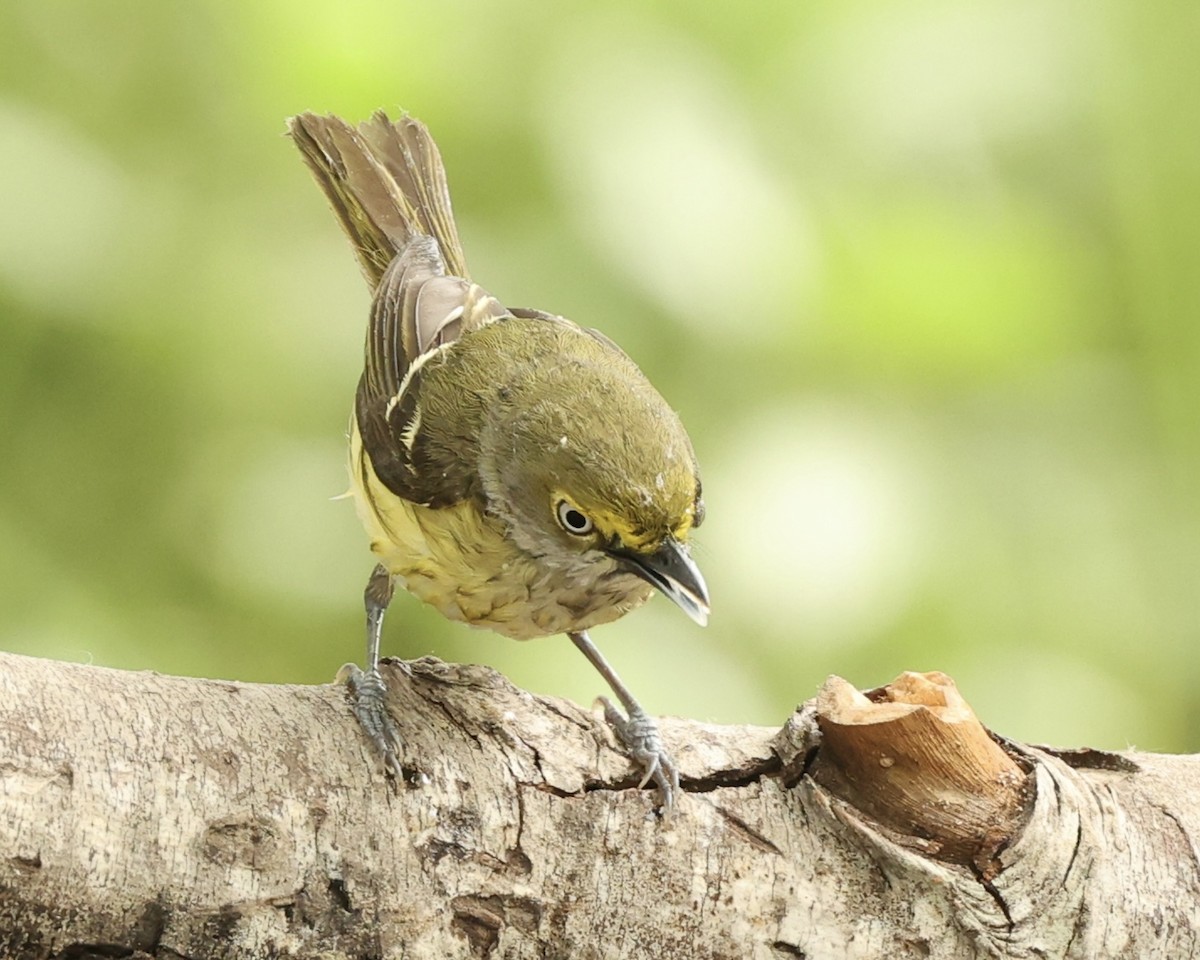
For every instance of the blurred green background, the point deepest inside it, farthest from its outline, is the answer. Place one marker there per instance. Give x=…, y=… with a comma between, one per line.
x=922, y=282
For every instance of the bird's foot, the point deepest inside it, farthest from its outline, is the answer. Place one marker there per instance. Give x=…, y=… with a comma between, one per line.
x=639, y=735
x=368, y=699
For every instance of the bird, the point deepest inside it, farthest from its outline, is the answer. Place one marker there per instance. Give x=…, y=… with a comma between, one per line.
x=513, y=469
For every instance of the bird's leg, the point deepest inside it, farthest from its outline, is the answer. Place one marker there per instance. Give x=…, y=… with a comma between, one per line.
x=368, y=692
x=637, y=732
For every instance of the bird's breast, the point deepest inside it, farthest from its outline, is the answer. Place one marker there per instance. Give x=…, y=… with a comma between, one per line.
x=460, y=561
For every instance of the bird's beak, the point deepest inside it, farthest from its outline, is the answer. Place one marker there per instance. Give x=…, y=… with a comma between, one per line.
x=674, y=573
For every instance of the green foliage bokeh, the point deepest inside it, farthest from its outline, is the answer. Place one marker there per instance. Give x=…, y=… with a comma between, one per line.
x=921, y=281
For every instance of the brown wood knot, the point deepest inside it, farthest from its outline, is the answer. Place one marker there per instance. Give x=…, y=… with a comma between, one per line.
x=248, y=841
x=479, y=919
x=914, y=757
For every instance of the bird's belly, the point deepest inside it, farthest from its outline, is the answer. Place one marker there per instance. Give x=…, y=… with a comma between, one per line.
x=460, y=562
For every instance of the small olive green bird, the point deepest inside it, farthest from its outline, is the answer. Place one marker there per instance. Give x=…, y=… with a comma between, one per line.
x=514, y=470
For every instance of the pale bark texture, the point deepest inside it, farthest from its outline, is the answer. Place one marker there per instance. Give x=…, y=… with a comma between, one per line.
x=143, y=815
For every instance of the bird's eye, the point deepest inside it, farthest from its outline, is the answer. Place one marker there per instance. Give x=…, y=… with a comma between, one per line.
x=573, y=520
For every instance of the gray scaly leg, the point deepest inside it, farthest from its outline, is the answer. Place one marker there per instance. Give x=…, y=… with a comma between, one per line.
x=368, y=692
x=637, y=732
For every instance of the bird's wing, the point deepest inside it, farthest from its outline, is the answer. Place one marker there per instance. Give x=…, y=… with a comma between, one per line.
x=418, y=314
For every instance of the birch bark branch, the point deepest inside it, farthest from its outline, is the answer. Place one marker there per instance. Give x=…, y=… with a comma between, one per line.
x=144, y=815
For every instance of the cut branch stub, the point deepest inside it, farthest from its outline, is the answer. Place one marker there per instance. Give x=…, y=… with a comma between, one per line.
x=914, y=757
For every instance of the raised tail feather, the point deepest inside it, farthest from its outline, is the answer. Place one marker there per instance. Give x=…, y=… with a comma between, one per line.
x=386, y=184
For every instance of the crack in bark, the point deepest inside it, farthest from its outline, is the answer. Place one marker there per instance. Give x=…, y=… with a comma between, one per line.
x=1089, y=758
x=570, y=717
x=1081, y=919
x=743, y=776
x=457, y=723
x=730, y=777
x=996, y=895
x=87, y=951
x=1058, y=798
x=1074, y=850
x=735, y=777
x=790, y=775
x=747, y=832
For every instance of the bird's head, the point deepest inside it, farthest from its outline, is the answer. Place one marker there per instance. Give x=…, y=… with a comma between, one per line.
x=591, y=470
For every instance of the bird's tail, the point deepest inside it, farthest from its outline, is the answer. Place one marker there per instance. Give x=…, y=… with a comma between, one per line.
x=386, y=184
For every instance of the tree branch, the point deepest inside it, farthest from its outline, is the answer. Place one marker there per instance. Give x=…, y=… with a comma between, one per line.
x=180, y=817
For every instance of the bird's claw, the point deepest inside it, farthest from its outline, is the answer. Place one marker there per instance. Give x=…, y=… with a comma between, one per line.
x=368, y=699
x=639, y=735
